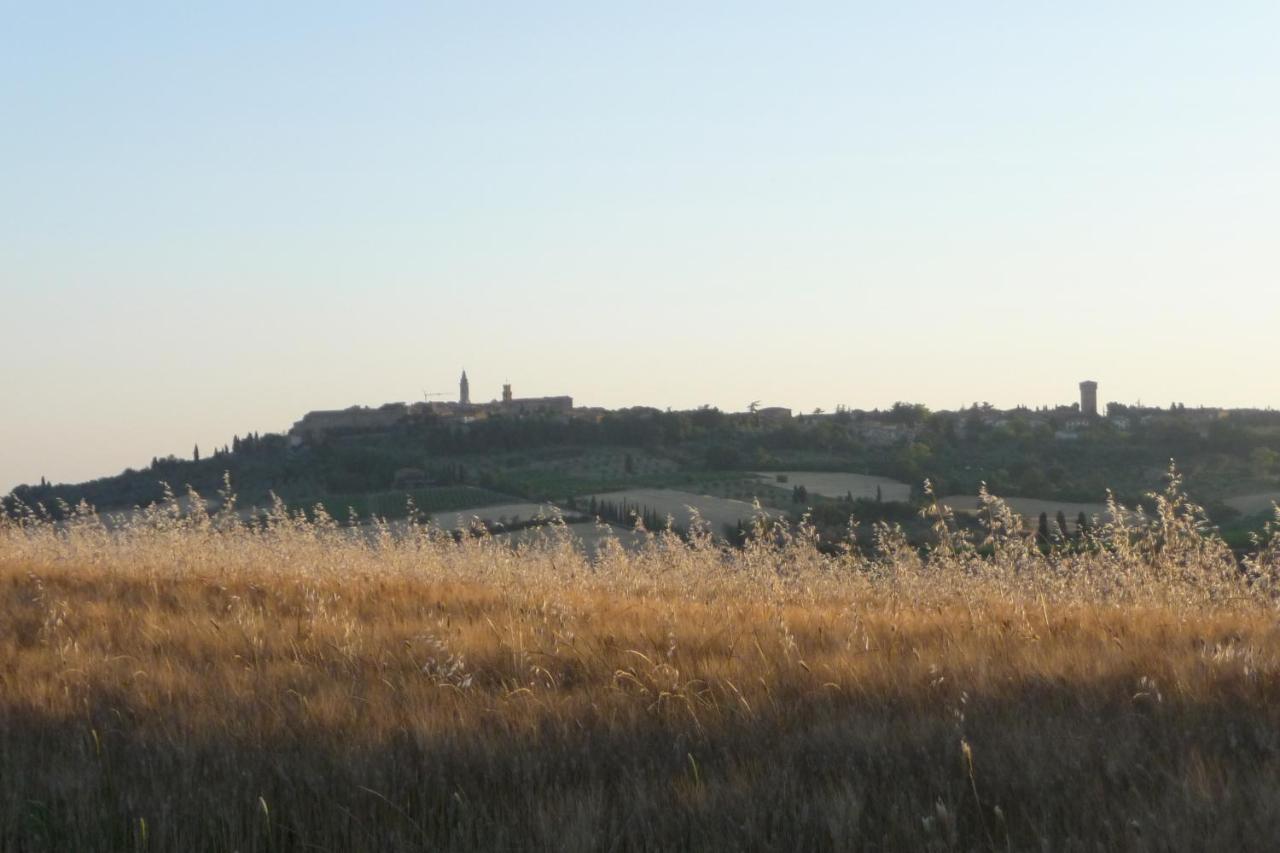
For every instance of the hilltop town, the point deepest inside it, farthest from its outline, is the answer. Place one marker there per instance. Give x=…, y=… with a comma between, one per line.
x=876, y=428
x=315, y=426
x=462, y=455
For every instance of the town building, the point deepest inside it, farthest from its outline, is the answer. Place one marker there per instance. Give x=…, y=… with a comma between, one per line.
x=316, y=426
x=1089, y=398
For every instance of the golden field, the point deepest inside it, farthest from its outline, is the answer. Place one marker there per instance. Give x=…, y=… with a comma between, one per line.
x=193, y=682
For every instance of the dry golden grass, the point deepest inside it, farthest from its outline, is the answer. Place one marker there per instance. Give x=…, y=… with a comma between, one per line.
x=190, y=683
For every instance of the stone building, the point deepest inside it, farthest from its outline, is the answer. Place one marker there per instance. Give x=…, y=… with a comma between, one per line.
x=315, y=426
x=1089, y=398
x=774, y=414
x=532, y=406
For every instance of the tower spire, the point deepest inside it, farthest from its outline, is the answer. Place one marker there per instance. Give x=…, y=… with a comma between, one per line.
x=464, y=390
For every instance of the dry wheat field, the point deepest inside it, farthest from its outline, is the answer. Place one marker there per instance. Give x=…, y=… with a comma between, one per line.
x=197, y=682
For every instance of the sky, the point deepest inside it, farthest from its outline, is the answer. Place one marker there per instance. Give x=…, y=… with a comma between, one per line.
x=217, y=217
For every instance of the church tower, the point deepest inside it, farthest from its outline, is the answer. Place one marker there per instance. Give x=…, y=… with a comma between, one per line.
x=464, y=390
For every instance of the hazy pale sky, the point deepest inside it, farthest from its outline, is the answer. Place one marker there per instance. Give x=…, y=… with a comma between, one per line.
x=215, y=219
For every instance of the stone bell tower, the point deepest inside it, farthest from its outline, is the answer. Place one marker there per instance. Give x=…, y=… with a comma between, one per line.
x=464, y=390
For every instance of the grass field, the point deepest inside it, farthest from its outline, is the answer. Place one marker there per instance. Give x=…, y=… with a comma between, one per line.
x=676, y=503
x=394, y=503
x=586, y=535
x=552, y=485
x=1253, y=504
x=1030, y=508
x=836, y=485
x=190, y=683
x=506, y=514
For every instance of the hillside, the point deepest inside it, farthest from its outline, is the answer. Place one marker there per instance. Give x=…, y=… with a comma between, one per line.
x=1231, y=459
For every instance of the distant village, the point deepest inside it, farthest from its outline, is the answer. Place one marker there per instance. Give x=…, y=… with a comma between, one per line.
x=315, y=426
x=876, y=428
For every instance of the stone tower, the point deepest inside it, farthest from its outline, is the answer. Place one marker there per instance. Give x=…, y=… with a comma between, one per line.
x=506, y=393
x=1089, y=398
x=464, y=390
